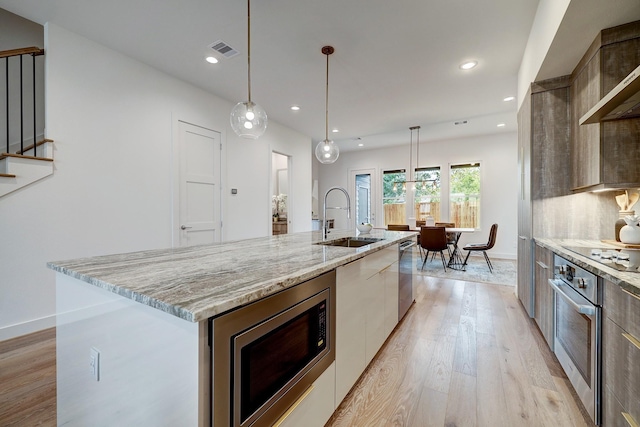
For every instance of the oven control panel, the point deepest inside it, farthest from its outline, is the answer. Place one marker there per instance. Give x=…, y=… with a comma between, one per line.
x=583, y=281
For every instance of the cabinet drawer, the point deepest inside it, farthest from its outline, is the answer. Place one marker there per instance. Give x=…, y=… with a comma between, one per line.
x=374, y=263
x=622, y=367
x=614, y=415
x=314, y=409
x=623, y=308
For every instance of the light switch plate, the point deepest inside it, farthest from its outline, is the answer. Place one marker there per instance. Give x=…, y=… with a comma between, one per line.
x=94, y=363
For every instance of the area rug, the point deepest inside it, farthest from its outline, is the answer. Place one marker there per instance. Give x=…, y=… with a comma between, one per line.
x=504, y=270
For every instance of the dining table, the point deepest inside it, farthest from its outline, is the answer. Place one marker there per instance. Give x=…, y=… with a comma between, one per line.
x=456, y=261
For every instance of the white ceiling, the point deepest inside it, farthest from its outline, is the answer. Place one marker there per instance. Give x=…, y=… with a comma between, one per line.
x=395, y=63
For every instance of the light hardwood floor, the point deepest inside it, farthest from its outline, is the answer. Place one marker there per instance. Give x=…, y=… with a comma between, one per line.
x=28, y=380
x=465, y=355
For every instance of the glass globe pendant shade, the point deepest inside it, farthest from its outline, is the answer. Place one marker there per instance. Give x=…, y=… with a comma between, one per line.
x=248, y=120
x=327, y=151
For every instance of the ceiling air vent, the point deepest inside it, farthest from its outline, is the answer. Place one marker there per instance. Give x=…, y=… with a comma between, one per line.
x=224, y=49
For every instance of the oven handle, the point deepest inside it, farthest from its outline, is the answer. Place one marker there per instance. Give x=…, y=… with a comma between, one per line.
x=589, y=310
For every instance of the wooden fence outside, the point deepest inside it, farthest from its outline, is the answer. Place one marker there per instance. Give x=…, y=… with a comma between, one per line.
x=463, y=213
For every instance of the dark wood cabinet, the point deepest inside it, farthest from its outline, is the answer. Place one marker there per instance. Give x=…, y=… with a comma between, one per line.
x=543, y=271
x=605, y=155
x=543, y=162
x=550, y=138
x=525, y=226
x=621, y=361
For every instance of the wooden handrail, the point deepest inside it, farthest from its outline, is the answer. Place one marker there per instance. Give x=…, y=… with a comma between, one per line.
x=38, y=144
x=35, y=51
x=22, y=156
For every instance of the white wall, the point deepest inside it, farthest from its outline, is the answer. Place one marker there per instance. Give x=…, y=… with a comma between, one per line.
x=113, y=120
x=545, y=25
x=497, y=154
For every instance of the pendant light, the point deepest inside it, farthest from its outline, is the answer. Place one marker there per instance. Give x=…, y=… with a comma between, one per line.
x=248, y=119
x=327, y=151
x=412, y=178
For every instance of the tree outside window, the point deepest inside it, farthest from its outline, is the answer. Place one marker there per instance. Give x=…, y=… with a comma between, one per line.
x=393, y=196
x=464, y=197
x=427, y=193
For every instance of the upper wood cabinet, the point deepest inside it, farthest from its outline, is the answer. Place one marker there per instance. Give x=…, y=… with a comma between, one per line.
x=604, y=155
x=550, y=138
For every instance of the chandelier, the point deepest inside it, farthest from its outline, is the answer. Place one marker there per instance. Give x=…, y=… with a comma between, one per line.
x=416, y=183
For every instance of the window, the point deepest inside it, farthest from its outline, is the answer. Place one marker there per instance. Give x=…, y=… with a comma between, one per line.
x=464, y=197
x=427, y=193
x=393, y=197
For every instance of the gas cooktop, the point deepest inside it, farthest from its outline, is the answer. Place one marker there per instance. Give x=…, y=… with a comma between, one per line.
x=621, y=259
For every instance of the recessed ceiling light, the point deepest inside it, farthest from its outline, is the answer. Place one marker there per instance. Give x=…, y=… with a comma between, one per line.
x=295, y=107
x=211, y=59
x=509, y=98
x=335, y=130
x=361, y=145
x=501, y=125
x=468, y=65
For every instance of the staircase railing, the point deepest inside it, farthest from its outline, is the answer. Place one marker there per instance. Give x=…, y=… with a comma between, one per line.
x=18, y=55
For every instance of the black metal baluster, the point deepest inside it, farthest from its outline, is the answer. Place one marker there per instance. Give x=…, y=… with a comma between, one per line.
x=33, y=63
x=21, y=112
x=7, y=103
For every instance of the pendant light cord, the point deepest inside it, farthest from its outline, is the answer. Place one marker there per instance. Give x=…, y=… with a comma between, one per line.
x=327, y=50
x=326, y=103
x=249, y=49
x=412, y=175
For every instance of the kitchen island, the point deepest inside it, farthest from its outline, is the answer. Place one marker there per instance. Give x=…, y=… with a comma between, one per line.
x=132, y=329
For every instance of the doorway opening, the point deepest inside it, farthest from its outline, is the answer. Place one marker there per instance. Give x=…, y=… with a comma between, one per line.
x=280, y=208
x=363, y=188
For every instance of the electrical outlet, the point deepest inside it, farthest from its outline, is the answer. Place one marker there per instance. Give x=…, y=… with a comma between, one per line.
x=94, y=363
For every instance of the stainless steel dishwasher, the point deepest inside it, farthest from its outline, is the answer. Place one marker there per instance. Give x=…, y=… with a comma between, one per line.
x=405, y=279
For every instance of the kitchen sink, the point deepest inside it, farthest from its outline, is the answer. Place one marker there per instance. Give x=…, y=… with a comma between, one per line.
x=350, y=242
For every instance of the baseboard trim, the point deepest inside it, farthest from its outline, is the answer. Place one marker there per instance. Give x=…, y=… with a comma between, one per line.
x=28, y=327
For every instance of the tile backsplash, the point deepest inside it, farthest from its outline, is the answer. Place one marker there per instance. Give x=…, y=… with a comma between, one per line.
x=577, y=216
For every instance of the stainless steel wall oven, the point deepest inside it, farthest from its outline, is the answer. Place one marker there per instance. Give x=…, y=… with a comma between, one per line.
x=578, y=330
x=266, y=354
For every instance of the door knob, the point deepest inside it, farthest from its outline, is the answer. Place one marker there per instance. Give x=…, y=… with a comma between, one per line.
x=184, y=227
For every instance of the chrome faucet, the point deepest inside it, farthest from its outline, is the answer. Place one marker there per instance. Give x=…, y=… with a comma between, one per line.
x=325, y=227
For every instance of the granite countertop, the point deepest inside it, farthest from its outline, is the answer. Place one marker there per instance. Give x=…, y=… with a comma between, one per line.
x=195, y=283
x=627, y=280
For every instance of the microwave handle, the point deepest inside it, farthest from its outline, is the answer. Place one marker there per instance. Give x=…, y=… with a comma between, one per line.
x=589, y=310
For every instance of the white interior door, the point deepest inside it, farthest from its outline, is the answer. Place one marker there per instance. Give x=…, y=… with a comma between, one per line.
x=363, y=189
x=199, y=175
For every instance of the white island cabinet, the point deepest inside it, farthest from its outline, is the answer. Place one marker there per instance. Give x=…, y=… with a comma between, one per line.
x=149, y=365
x=133, y=342
x=367, y=312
